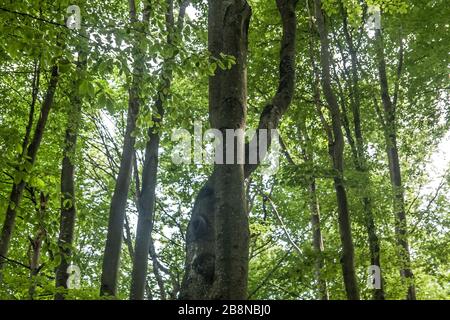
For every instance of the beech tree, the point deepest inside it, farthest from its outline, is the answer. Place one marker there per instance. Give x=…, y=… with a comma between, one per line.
x=330, y=182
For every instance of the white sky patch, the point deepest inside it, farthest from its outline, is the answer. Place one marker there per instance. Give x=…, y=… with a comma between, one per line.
x=192, y=13
x=438, y=164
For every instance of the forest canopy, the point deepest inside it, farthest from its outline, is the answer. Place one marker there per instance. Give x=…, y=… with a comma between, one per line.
x=224, y=149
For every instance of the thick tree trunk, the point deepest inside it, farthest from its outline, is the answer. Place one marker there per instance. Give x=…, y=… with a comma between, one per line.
x=395, y=171
x=203, y=254
x=31, y=153
x=227, y=104
x=68, y=208
x=336, y=149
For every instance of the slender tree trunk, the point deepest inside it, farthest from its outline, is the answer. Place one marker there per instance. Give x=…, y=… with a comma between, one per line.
x=359, y=156
x=309, y=159
x=34, y=97
x=336, y=149
x=202, y=252
x=147, y=196
x=113, y=246
x=111, y=258
x=68, y=199
x=128, y=239
x=156, y=270
x=36, y=245
x=31, y=153
x=394, y=170
x=322, y=292
x=317, y=240
x=146, y=205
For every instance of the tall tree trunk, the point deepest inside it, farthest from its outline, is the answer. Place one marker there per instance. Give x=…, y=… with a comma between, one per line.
x=147, y=196
x=34, y=97
x=31, y=153
x=68, y=199
x=322, y=287
x=309, y=159
x=111, y=258
x=228, y=32
x=202, y=252
x=394, y=167
x=359, y=155
x=317, y=240
x=316, y=230
x=336, y=149
x=146, y=205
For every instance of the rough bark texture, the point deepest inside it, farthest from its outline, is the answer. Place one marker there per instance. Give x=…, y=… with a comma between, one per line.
x=336, y=150
x=217, y=236
x=394, y=170
x=31, y=153
x=68, y=208
x=227, y=105
x=111, y=258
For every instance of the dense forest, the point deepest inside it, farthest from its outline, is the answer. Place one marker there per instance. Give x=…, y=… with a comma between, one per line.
x=224, y=149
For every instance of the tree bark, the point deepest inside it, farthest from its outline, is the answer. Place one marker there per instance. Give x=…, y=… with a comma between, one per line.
x=336, y=150
x=147, y=196
x=31, y=153
x=394, y=168
x=359, y=155
x=309, y=159
x=68, y=199
x=36, y=244
x=111, y=258
x=214, y=222
x=317, y=239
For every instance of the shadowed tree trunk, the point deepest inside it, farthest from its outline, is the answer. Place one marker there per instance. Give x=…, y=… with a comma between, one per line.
x=227, y=104
x=68, y=208
x=390, y=131
x=30, y=158
x=217, y=236
x=336, y=150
